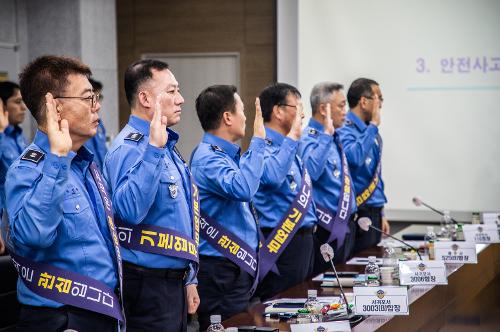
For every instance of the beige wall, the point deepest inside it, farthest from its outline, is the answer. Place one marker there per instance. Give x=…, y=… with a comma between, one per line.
x=173, y=26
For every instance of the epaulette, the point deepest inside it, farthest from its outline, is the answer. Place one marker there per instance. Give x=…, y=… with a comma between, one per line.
x=313, y=132
x=135, y=137
x=216, y=148
x=33, y=155
x=269, y=141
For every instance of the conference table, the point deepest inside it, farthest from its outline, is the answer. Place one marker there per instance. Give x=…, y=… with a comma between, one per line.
x=471, y=298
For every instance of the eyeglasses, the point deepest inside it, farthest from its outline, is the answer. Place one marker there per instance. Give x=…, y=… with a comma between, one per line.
x=379, y=98
x=294, y=106
x=92, y=98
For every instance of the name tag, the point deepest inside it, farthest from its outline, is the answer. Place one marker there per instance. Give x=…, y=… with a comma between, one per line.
x=422, y=273
x=455, y=252
x=340, y=326
x=481, y=233
x=491, y=218
x=381, y=300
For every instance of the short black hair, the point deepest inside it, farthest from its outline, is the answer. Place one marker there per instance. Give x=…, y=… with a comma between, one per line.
x=7, y=90
x=275, y=94
x=361, y=87
x=212, y=103
x=138, y=73
x=96, y=85
x=321, y=93
x=48, y=73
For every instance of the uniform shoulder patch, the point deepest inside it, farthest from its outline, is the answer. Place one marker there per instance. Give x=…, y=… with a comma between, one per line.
x=33, y=156
x=313, y=132
x=135, y=137
x=216, y=148
x=269, y=141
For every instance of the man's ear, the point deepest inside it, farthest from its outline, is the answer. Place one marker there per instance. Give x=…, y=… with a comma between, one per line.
x=227, y=119
x=277, y=113
x=144, y=99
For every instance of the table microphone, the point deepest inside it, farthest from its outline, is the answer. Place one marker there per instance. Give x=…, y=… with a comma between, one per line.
x=418, y=202
x=365, y=224
x=327, y=253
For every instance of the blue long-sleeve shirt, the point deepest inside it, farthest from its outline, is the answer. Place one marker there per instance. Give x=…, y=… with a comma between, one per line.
x=12, y=144
x=363, y=152
x=321, y=156
x=97, y=145
x=280, y=181
x=227, y=184
x=57, y=217
x=142, y=178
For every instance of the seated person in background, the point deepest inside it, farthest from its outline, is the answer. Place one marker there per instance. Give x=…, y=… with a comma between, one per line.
x=333, y=190
x=97, y=144
x=227, y=184
x=12, y=142
x=284, y=199
x=60, y=220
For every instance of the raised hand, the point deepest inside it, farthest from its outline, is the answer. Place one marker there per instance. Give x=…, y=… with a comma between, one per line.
x=57, y=131
x=296, y=129
x=327, y=121
x=258, y=126
x=376, y=113
x=4, y=118
x=158, y=128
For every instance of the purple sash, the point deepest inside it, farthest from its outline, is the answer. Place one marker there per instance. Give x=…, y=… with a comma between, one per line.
x=338, y=224
x=68, y=287
x=283, y=233
x=229, y=245
x=370, y=189
x=157, y=240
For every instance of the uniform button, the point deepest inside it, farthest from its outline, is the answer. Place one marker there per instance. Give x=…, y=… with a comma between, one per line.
x=171, y=177
x=77, y=207
x=64, y=167
x=157, y=155
x=55, y=165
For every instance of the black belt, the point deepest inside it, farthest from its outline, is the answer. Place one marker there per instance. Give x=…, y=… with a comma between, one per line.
x=301, y=231
x=161, y=273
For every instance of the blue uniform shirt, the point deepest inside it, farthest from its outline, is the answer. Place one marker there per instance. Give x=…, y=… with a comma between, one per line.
x=227, y=184
x=97, y=145
x=321, y=156
x=139, y=176
x=280, y=181
x=12, y=144
x=56, y=216
x=363, y=152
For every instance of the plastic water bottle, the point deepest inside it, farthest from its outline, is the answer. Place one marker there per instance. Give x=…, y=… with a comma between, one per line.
x=215, y=325
x=429, y=239
x=313, y=305
x=372, y=272
x=446, y=226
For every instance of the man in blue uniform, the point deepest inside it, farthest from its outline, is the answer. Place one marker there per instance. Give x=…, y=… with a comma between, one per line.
x=156, y=204
x=97, y=144
x=227, y=183
x=324, y=158
x=61, y=232
x=363, y=148
x=12, y=142
x=284, y=200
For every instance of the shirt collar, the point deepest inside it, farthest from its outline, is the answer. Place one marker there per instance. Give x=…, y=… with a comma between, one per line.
x=356, y=120
x=231, y=149
x=313, y=123
x=13, y=130
x=42, y=141
x=143, y=126
x=274, y=136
